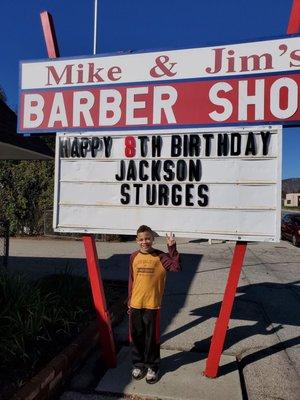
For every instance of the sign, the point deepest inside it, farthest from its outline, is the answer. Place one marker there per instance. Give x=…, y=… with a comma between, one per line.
x=221, y=183
x=240, y=84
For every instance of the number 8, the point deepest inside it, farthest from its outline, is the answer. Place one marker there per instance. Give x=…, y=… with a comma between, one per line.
x=130, y=146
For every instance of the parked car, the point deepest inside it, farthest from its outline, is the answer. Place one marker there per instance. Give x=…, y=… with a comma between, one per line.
x=290, y=228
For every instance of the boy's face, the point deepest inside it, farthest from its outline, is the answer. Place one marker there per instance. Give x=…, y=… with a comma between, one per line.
x=145, y=241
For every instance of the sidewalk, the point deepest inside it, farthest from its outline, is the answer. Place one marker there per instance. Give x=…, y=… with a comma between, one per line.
x=263, y=334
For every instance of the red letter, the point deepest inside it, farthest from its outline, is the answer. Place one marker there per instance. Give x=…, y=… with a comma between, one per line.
x=111, y=73
x=296, y=57
x=52, y=72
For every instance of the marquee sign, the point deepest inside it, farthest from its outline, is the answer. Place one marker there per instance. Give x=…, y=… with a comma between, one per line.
x=240, y=84
x=209, y=183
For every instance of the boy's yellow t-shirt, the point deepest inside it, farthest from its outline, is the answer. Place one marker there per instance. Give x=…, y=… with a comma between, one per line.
x=148, y=277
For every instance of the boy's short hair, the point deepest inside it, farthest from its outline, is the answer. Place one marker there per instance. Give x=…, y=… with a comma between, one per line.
x=144, y=228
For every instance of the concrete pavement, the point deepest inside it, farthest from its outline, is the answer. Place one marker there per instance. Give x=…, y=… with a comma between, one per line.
x=263, y=334
x=180, y=378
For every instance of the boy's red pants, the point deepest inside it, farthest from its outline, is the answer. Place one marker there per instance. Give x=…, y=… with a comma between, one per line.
x=144, y=332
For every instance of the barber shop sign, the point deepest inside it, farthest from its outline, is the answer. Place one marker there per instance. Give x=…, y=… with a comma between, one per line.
x=246, y=83
x=192, y=136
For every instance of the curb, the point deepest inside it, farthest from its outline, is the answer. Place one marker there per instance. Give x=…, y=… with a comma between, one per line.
x=48, y=381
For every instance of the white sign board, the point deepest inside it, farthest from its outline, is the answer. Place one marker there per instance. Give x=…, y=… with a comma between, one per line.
x=218, y=183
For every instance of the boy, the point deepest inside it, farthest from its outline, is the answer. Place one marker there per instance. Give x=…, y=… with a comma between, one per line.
x=147, y=276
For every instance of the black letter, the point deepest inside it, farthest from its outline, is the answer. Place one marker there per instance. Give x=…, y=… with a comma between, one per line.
x=156, y=146
x=265, y=136
x=176, y=198
x=163, y=195
x=151, y=195
x=235, y=145
x=107, y=145
x=188, y=195
x=203, y=197
x=222, y=144
x=122, y=172
x=208, y=137
x=195, y=170
x=142, y=175
x=194, y=145
x=176, y=146
x=64, y=148
x=181, y=170
x=126, y=198
x=83, y=146
x=137, y=192
x=144, y=145
x=250, y=146
x=155, y=170
x=74, y=148
x=131, y=172
x=95, y=145
x=185, y=145
x=168, y=168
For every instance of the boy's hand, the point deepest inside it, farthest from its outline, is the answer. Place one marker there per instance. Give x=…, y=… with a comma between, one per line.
x=170, y=239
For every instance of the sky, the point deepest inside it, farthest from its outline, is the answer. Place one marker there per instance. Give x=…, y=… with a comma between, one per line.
x=136, y=25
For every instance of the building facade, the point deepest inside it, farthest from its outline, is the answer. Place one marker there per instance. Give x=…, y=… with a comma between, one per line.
x=292, y=200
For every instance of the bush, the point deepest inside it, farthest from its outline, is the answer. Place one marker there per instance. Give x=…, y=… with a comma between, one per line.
x=37, y=319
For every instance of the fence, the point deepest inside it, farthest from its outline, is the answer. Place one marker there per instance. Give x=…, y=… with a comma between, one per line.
x=4, y=242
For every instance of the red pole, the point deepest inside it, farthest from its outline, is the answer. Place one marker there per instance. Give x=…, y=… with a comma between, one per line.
x=49, y=34
x=106, y=334
x=218, y=338
x=294, y=22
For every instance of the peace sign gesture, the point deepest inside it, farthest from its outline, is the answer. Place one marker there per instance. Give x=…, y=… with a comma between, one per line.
x=170, y=239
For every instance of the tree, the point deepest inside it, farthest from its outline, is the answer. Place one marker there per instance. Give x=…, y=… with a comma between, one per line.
x=26, y=190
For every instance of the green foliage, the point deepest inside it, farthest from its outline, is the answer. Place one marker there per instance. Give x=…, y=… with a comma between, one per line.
x=36, y=320
x=49, y=141
x=26, y=191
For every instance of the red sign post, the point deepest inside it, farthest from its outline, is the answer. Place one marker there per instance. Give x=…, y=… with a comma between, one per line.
x=218, y=338
x=219, y=335
x=106, y=334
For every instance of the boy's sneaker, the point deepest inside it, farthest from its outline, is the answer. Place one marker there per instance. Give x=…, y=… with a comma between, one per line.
x=152, y=376
x=138, y=373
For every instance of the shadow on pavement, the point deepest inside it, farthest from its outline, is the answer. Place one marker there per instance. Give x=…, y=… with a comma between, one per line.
x=276, y=304
x=115, y=267
x=179, y=283
x=172, y=363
